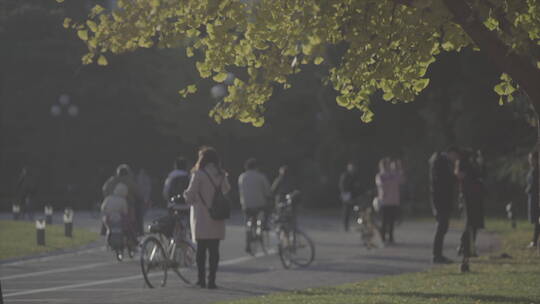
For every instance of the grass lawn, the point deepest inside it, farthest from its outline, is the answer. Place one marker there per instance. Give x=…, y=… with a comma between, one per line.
x=18, y=239
x=492, y=280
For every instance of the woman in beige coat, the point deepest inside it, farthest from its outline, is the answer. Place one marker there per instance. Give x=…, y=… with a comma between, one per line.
x=206, y=231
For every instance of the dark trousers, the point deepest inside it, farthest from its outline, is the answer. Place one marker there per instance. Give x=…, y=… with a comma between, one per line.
x=536, y=233
x=103, y=230
x=212, y=246
x=468, y=238
x=389, y=214
x=347, y=212
x=442, y=228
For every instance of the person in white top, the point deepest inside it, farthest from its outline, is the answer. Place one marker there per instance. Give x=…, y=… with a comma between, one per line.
x=255, y=193
x=389, y=180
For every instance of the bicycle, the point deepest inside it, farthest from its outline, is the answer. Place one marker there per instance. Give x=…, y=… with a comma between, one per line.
x=179, y=254
x=294, y=246
x=118, y=240
x=257, y=235
x=369, y=231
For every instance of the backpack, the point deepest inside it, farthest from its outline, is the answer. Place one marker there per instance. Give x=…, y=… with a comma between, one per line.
x=220, y=209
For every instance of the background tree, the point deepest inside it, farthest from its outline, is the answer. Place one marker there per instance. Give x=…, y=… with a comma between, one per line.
x=130, y=112
x=384, y=45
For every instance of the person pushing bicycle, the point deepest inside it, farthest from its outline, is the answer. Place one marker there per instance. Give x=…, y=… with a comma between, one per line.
x=174, y=186
x=177, y=181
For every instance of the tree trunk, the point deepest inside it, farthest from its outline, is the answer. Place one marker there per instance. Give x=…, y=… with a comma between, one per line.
x=519, y=67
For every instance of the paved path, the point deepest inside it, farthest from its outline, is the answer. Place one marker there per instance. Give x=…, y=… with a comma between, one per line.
x=93, y=276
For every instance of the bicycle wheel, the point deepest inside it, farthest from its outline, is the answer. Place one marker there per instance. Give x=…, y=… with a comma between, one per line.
x=371, y=237
x=153, y=262
x=377, y=238
x=284, y=248
x=253, y=239
x=185, y=261
x=302, y=248
x=264, y=239
x=366, y=235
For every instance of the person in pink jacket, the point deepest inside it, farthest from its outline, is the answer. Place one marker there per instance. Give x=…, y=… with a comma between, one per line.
x=207, y=177
x=388, y=181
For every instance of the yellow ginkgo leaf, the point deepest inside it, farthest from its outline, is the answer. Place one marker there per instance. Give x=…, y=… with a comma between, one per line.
x=102, y=60
x=83, y=34
x=220, y=77
x=191, y=88
x=91, y=25
x=67, y=22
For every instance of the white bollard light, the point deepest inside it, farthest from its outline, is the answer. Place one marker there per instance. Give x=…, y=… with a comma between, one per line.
x=16, y=210
x=68, y=222
x=40, y=232
x=48, y=214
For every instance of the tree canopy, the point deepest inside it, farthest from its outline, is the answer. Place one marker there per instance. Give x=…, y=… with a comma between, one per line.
x=304, y=126
x=383, y=45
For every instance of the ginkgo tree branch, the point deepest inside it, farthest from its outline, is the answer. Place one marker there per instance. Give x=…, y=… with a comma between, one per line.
x=510, y=30
x=518, y=67
x=387, y=45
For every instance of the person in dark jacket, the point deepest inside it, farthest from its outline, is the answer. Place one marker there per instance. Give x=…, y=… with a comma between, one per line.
x=177, y=181
x=282, y=185
x=532, y=193
x=443, y=189
x=471, y=187
x=350, y=188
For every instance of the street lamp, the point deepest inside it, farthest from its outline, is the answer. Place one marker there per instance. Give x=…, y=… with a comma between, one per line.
x=64, y=105
x=220, y=90
x=63, y=110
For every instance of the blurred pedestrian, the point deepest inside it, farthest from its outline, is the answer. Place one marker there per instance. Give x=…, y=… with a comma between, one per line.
x=350, y=189
x=283, y=184
x=388, y=181
x=26, y=189
x=207, y=178
x=114, y=210
x=480, y=164
x=145, y=187
x=471, y=188
x=532, y=194
x=124, y=175
x=442, y=190
x=177, y=181
x=255, y=194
